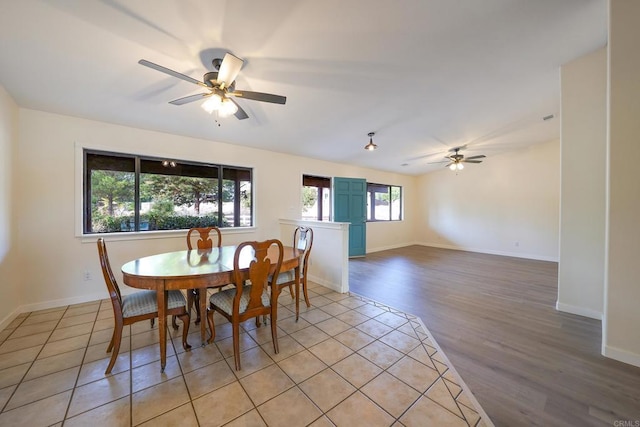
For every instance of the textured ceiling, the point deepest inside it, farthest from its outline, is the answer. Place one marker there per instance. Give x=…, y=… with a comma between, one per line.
x=425, y=75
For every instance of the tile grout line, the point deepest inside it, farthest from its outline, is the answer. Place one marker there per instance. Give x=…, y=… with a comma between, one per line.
x=84, y=355
x=477, y=407
x=32, y=363
x=414, y=322
x=358, y=389
x=182, y=375
x=130, y=370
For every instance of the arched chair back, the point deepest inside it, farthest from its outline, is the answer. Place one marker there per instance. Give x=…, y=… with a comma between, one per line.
x=109, y=278
x=204, y=238
x=204, y=241
x=302, y=241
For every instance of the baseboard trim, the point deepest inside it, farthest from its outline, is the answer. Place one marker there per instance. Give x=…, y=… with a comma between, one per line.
x=386, y=248
x=45, y=305
x=580, y=311
x=325, y=283
x=491, y=252
x=9, y=318
x=621, y=355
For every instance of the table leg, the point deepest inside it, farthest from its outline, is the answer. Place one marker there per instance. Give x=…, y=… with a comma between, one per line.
x=162, y=326
x=203, y=314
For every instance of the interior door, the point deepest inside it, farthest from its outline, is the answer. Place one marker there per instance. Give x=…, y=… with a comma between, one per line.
x=350, y=205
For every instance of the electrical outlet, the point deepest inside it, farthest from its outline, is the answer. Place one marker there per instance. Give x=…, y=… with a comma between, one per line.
x=87, y=275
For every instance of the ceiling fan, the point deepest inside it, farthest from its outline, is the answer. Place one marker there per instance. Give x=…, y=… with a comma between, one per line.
x=220, y=87
x=455, y=161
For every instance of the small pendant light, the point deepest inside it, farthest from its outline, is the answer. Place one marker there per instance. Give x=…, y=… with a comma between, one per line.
x=370, y=146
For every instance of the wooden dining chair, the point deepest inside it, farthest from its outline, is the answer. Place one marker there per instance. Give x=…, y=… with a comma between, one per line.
x=246, y=301
x=141, y=305
x=303, y=241
x=203, y=242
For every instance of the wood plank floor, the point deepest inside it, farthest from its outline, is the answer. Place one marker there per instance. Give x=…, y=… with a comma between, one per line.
x=495, y=318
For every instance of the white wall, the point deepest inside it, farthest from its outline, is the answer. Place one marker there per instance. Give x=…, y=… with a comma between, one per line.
x=10, y=282
x=329, y=259
x=621, y=325
x=47, y=191
x=507, y=205
x=582, y=205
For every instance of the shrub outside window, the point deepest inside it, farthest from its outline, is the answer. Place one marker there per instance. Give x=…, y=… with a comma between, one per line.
x=125, y=193
x=384, y=202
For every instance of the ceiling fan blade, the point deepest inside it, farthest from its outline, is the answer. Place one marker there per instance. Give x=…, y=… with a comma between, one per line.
x=433, y=163
x=259, y=96
x=447, y=165
x=229, y=69
x=481, y=156
x=471, y=161
x=170, y=72
x=240, y=114
x=188, y=99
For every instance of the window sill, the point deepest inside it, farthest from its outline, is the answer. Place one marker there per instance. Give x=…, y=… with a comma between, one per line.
x=163, y=234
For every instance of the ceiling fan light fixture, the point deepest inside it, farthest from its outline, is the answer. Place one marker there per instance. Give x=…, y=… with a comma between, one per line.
x=212, y=103
x=217, y=85
x=456, y=165
x=370, y=146
x=227, y=108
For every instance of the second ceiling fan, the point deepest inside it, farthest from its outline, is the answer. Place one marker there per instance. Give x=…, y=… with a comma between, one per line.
x=455, y=161
x=220, y=86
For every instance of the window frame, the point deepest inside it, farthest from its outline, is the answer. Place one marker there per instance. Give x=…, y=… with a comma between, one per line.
x=371, y=207
x=221, y=171
x=320, y=183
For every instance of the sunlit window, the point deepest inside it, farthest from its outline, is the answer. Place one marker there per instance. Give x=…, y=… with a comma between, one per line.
x=125, y=192
x=316, y=198
x=384, y=202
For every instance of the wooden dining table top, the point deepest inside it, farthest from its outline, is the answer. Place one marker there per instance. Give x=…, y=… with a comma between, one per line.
x=202, y=265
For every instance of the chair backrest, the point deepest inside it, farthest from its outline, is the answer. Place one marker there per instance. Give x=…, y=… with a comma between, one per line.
x=204, y=239
x=303, y=241
x=109, y=278
x=261, y=255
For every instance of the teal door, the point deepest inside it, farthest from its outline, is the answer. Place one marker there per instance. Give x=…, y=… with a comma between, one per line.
x=350, y=205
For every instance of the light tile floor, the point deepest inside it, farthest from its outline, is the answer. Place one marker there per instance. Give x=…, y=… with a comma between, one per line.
x=348, y=361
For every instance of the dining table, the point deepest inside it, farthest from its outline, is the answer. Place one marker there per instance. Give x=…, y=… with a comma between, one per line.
x=197, y=269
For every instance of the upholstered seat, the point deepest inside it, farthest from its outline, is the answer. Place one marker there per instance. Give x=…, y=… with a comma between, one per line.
x=224, y=299
x=284, y=277
x=146, y=302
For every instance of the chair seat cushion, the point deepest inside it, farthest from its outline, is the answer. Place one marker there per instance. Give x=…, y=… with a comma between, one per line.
x=224, y=299
x=146, y=302
x=284, y=277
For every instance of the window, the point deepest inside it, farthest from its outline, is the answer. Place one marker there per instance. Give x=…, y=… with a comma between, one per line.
x=384, y=202
x=125, y=192
x=316, y=198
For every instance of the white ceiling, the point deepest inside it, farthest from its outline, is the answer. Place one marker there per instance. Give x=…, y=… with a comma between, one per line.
x=425, y=75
